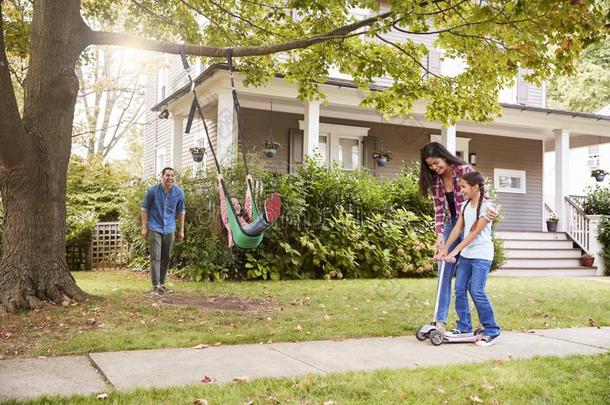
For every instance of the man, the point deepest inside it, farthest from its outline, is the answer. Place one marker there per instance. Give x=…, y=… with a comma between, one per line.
x=161, y=204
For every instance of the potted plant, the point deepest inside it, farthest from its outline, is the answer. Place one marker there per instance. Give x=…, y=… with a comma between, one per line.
x=599, y=174
x=551, y=222
x=271, y=148
x=382, y=157
x=197, y=153
x=587, y=260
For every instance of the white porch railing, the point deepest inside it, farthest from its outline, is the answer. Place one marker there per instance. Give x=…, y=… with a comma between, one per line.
x=577, y=224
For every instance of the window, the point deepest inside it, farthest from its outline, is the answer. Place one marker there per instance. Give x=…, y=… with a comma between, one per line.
x=159, y=160
x=162, y=91
x=509, y=181
x=342, y=144
x=593, y=157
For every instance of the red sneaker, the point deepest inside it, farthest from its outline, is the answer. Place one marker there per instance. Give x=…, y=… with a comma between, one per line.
x=273, y=208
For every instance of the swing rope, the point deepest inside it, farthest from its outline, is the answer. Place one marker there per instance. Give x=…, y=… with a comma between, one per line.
x=241, y=238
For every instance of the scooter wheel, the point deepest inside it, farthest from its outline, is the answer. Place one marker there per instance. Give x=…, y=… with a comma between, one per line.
x=437, y=337
x=421, y=336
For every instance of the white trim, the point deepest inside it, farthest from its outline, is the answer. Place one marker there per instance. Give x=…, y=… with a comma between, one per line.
x=521, y=174
x=346, y=131
x=160, y=159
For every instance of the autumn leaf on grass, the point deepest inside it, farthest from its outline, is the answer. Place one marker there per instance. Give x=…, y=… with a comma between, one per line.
x=487, y=385
x=200, y=401
x=593, y=324
x=298, y=327
x=240, y=379
x=102, y=396
x=200, y=346
x=207, y=380
x=475, y=399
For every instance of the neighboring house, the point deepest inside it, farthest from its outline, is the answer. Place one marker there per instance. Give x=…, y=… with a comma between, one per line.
x=509, y=150
x=583, y=159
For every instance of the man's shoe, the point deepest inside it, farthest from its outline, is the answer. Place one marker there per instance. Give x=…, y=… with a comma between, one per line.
x=273, y=208
x=487, y=340
x=155, y=291
x=165, y=290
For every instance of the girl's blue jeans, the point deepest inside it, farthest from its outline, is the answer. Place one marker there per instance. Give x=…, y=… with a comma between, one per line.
x=444, y=299
x=471, y=277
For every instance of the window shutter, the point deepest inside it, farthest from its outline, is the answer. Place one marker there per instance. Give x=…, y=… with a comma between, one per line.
x=296, y=150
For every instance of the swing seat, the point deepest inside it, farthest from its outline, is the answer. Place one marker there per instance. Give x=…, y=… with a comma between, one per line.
x=241, y=238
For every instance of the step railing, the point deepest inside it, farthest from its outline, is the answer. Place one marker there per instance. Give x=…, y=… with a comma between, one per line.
x=579, y=200
x=577, y=223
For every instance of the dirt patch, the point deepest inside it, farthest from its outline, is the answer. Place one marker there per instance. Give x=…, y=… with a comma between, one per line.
x=217, y=302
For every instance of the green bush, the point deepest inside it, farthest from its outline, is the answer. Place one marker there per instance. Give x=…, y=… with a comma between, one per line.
x=334, y=224
x=604, y=237
x=598, y=201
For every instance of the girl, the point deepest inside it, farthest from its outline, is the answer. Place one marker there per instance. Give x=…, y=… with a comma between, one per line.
x=477, y=253
x=271, y=212
x=440, y=173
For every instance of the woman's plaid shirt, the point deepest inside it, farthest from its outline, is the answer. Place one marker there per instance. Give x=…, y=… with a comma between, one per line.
x=441, y=208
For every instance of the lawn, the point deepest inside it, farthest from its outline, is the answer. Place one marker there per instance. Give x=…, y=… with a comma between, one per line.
x=548, y=380
x=122, y=315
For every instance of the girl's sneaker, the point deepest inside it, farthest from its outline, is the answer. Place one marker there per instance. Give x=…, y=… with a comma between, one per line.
x=487, y=340
x=456, y=332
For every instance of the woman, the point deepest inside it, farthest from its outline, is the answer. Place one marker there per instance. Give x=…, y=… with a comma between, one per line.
x=440, y=174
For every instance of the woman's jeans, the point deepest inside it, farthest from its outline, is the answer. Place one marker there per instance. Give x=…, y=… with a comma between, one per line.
x=444, y=300
x=471, y=277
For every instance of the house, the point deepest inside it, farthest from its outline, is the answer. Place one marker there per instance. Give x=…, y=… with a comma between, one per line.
x=510, y=150
x=583, y=159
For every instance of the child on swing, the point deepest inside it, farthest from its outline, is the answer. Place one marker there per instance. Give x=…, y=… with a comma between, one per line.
x=477, y=253
x=271, y=212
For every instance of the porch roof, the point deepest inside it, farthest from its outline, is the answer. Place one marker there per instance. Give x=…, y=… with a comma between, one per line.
x=524, y=116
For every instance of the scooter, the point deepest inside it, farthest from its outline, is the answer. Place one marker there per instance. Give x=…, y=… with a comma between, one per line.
x=436, y=336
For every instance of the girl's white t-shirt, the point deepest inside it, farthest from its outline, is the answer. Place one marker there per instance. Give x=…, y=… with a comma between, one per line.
x=481, y=247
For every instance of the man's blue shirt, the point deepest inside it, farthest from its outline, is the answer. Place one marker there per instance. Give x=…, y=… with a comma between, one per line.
x=162, y=207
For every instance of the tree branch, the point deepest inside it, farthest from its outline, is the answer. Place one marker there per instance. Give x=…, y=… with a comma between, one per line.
x=11, y=127
x=111, y=38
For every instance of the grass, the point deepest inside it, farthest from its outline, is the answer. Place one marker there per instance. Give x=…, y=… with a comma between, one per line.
x=548, y=380
x=121, y=315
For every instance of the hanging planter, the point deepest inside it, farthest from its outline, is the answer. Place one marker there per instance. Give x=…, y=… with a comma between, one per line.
x=271, y=148
x=599, y=174
x=197, y=153
x=382, y=157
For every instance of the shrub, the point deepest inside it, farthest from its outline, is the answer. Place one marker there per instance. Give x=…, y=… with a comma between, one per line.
x=334, y=224
x=604, y=237
x=598, y=201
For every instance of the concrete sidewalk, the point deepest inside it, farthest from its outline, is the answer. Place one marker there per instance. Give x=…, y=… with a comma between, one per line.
x=103, y=372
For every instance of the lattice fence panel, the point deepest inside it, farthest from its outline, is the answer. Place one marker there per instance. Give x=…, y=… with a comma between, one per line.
x=108, y=248
x=78, y=256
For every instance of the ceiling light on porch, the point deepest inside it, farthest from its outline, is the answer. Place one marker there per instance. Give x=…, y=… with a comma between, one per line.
x=472, y=159
x=164, y=114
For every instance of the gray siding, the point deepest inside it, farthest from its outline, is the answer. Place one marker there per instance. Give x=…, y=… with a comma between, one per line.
x=522, y=212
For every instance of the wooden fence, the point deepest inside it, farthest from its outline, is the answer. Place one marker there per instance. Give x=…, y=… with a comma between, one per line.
x=106, y=249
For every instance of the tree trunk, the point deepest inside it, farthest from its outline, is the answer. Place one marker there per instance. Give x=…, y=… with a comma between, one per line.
x=33, y=267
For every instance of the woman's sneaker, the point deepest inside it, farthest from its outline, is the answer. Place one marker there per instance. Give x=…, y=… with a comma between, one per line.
x=273, y=208
x=487, y=340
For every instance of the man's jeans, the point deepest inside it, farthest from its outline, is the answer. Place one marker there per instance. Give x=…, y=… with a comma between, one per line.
x=444, y=300
x=160, y=251
x=472, y=276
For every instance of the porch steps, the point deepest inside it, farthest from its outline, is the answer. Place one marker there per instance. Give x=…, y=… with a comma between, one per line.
x=540, y=254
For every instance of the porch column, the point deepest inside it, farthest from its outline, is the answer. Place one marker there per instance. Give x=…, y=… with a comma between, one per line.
x=448, y=138
x=562, y=152
x=311, y=127
x=226, y=139
x=177, y=137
